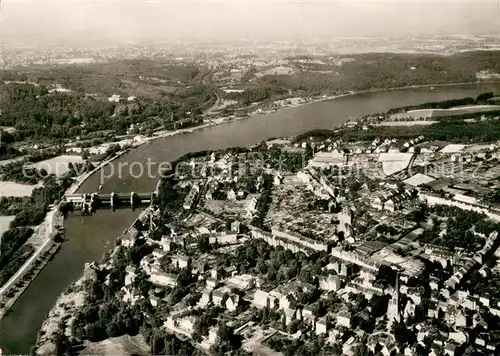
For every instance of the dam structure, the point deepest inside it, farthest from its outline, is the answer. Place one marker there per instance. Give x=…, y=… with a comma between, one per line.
x=94, y=201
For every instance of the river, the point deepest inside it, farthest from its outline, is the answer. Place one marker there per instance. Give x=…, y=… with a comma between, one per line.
x=88, y=238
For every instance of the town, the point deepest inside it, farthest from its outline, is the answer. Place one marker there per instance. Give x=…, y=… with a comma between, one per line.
x=315, y=244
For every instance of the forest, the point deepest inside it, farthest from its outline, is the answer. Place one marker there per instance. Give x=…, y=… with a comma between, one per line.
x=36, y=114
x=370, y=71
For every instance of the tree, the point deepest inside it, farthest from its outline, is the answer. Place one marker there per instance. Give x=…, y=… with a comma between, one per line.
x=293, y=327
x=204, y=244
x=226, y=333
x=400, y=332
x=361, y=349
x=61, y=342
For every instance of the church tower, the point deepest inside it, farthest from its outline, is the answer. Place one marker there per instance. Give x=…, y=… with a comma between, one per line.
x=393, y=312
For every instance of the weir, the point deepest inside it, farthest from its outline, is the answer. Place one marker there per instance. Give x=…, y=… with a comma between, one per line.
x=94, y=201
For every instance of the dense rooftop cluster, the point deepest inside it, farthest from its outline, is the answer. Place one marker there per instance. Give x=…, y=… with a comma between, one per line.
x=333, y=252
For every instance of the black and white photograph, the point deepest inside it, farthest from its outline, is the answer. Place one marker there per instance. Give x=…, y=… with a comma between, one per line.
x=250, y=177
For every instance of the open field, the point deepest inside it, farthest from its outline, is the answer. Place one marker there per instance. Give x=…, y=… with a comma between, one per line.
x=459, y=110
x=58, y=165
x=123, y=345
x=4, y=224
x=13, y=189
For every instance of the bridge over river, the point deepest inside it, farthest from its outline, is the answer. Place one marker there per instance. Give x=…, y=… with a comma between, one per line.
x=94, y=201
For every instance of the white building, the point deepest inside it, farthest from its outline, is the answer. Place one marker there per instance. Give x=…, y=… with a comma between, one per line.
x=344, y=319
x=330, y=283
x=180, y=261
x=163, y=279
x=321, y=326
x=232, y=302
x=261, y=299
x=130, y=275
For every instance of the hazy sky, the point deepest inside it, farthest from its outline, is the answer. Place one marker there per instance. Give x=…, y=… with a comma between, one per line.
x=42, y=20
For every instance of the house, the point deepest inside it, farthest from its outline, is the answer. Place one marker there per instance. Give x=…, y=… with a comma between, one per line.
x=241, y=282
x=154, y=300
x=390, y=205
x=307, y=316
x=434, y=284
x=130, y=275
x=450, y=349
x=115, y=98
x=389, y=349
x=261, y=299
x=235, y=226
x=409, y=311
x=278, y=179
x=130, y=295
x=217, y=296
x=206, y=297
x=409, y=351
x=166, y=243
x=231, y=270
x=232, y=302
x=130, y=237
x=328, y=159
x=330, y=283
x=459, y=337
x=231, y=195
x=307, y=310
x=158, y=254
x=211, y=283
x=344, y=319
x=186, y=324
x=213, y=335
x=309, y=319
x=304, y=177
x=180, y=261
x=215, y=274
x=289, y=315
x=148, y=264
x=482, y=339
x=251, y=207
x=223, y=238
x=321, y=326
x=163, y=279
x=367, y=274
x=484, y=301
x=460, y=320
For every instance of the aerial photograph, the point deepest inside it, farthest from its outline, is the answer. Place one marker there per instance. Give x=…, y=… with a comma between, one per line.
x=250, y=177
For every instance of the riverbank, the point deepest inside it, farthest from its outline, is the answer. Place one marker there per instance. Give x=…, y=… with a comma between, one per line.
x=368, y=91
x=19, y=282
x=66, y=307
x=70, y=301
x=27, y=277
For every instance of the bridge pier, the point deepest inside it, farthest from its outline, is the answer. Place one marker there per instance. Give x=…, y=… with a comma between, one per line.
x=95, y=202
x=112, y=201
x=132, y=200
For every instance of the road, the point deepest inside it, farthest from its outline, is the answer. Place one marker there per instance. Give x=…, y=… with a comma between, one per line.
x=49, y=219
